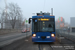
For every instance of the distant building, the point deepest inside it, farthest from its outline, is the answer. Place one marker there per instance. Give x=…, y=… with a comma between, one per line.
x=66, y=26
x=57, y=24
x=72, y=24
x=60, y=23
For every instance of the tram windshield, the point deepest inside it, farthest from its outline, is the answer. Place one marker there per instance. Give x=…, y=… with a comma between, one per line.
x=43, y=26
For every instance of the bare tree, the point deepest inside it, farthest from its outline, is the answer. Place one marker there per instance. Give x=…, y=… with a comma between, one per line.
x=15, y=14
x=2, y=18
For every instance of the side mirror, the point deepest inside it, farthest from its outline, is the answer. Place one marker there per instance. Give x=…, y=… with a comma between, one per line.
x=30, y=20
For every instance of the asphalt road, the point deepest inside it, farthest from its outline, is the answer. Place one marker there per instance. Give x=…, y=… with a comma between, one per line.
x=27, y=44
x=9, y=38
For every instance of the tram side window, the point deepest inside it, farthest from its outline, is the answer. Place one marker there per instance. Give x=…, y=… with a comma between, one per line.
x=35, y=25
x=32, y=26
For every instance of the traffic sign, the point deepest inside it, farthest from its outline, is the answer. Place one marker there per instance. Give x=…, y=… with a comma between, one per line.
x=26, y=21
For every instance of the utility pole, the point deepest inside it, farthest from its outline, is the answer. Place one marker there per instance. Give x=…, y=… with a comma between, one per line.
x=5, y=9
x=51, y=11
x=26, y=27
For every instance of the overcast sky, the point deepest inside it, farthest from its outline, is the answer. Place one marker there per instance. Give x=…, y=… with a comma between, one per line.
x=61, y=8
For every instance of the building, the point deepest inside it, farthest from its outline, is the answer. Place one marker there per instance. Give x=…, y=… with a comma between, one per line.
x=60, y=23
x=72, y=24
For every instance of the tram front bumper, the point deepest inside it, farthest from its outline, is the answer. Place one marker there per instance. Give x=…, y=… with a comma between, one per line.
x=36, y=39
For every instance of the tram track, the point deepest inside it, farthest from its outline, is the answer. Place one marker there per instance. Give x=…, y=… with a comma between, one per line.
x=50, y=47
x=45, y=46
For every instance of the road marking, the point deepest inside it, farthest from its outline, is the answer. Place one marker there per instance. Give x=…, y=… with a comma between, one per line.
x=26, y=40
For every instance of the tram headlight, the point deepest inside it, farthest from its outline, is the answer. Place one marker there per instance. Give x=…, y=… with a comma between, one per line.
x=52, y=35
x=34, y=35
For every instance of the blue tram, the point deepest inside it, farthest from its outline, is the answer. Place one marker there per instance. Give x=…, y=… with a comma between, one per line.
x=43, y=27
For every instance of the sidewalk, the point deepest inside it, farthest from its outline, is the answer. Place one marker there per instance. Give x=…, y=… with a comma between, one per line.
x=9, y=38
x=73, y=34
x=9, y=33
x=68, y=35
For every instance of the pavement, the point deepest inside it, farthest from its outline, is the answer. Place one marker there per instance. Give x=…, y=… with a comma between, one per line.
x=23, y=41
x=9, y=38
x=27, y=44
x=68, y=35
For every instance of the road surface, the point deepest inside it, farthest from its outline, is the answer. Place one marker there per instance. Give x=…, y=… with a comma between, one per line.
x=9, y=38
x=27, y=44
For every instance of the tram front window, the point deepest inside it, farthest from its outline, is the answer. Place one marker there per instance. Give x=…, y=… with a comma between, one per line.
x=43, y=26
x=48, y=27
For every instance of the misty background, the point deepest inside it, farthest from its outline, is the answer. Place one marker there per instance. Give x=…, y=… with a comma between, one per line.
x=61, y=8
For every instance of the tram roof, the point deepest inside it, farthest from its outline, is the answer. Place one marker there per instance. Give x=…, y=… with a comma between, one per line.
x=43, y=16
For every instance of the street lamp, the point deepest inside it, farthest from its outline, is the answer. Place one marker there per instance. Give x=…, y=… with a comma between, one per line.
x=5, y=9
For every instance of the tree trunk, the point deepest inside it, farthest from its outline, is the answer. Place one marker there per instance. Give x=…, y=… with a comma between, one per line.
x=1, y=25
x=13, y=24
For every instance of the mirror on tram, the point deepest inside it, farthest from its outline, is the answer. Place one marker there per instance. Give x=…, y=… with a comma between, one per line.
x=29, y=20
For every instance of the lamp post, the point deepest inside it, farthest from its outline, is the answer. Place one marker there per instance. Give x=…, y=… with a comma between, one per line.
x=26, y=26
x=5, y=10
x=68, y=32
